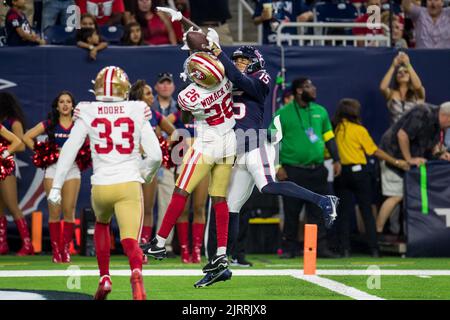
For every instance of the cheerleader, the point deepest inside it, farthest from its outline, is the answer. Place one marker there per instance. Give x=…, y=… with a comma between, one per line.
x=58, y=127
x=198, y=198
x=141, y=91
x=11, y=117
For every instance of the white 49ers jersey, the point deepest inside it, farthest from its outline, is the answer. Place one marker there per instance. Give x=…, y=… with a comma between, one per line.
x=114, y=130
x=212, y=109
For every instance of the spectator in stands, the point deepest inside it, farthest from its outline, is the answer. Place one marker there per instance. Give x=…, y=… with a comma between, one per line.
x=398, y=25
x=156, y=26
x=271, y=13
x=166, y=105
x=88, y=38
x=106, y=12
x=306, y=130
x=206, y=15
x=51, y=10
x=354, y=143
x=407, y=90
x=87, y=20
x=28, y=11
x=431, y=24
x=132, y=35
x=18, y=29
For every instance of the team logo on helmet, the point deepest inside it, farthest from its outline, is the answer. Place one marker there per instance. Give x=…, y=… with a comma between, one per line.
x=204, y=69
x=111, y=84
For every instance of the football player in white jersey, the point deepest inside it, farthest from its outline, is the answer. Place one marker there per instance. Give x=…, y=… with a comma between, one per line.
x=116, y=129
x=208, y=99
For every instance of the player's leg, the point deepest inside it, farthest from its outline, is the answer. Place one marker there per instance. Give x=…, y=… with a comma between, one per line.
x=129, y=211
x=8, y=189
x=54, y=223
x=220, y=178
x=240, y=189
x=199, y=198
x=183, y=233
x=149, y=194
x=103, y=205
x=195, y=167
x=69, y=192
x=261, y=166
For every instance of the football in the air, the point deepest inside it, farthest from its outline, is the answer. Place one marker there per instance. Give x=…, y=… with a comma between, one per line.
x=196, y=41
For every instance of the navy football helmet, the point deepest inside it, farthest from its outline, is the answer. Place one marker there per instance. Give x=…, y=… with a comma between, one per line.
x=251, y=53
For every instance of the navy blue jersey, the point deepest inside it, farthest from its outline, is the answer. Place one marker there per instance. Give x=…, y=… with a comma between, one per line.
x=16, y=19
x=155, y=119
x=61, y=133
x=249, y=94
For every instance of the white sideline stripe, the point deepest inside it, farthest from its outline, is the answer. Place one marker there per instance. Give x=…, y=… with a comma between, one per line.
x=339, y=288
x=236, y=272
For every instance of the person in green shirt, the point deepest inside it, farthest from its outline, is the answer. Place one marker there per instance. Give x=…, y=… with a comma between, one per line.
x=304, y=129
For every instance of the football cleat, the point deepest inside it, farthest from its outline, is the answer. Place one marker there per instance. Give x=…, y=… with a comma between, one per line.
x=137, y=285
x=213, y=277
x=151, y=249
x=240, y=262
x=216, y=264
x=104, y=288
x=329, y=205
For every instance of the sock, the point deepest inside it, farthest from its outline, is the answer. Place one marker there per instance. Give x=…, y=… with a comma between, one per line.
x=290, y=189
x=102, y=239
x=221, y=251
x=173, y=212
x=198, y=230
x=161, y=241
x=222, y=217
x=133, y=252
x=233, y=231
x=146, y=233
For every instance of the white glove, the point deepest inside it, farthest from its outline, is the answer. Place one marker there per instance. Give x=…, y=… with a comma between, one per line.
x=176, y=15
x=54, y=197
x=5, y=154
x=184, y=77
x=213, y=38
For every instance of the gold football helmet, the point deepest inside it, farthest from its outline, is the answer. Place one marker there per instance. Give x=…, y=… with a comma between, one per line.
x=204, y=69
x=111, y=84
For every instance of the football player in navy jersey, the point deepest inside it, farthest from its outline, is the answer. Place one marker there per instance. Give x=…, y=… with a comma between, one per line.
x=58, y=127
x=255, y=155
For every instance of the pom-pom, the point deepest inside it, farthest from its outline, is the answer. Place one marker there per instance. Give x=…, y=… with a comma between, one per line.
x=7, y=165
x=45, y=154
x=166, y=158
x=84, y=157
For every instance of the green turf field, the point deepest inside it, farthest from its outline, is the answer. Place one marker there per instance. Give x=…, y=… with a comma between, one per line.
x=269, y=279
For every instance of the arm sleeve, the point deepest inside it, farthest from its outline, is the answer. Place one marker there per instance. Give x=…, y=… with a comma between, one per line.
x=332, y=148
x=150, y=143
x=327, y=128
x=251, y=86
x=69, y=152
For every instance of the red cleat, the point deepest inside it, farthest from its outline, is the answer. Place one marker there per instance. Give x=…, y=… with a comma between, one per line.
x=137, y=285
x=104, y=288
